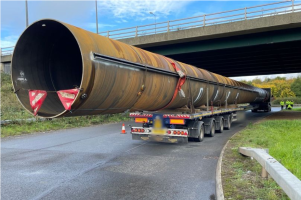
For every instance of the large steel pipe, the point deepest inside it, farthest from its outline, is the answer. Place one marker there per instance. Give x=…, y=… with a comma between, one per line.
x=113, y=76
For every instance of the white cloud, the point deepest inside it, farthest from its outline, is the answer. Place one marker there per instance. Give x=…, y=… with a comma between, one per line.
x=140, y=10
x=9, y=41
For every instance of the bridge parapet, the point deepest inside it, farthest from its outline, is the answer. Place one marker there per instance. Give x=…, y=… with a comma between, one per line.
x=242, y=14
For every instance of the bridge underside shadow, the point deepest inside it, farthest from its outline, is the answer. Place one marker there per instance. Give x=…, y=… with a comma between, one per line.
x=267, y=59
x=274, y=52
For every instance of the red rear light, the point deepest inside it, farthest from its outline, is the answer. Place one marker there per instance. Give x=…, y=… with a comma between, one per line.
x=169, y=132
x=185, y=133
x=139, y=130
x=142, y=130
x=179, y=132
x=174, y=132
x=135, y=130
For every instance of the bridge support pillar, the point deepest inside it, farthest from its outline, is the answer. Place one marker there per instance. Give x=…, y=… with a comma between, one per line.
x=2, y=67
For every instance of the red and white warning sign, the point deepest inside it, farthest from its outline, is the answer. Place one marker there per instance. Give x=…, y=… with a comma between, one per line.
x=36, y=99
x=67, y=97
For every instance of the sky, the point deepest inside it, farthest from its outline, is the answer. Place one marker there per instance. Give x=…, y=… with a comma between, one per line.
x=112, y=14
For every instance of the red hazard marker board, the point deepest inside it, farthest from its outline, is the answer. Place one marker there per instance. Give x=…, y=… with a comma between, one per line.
x=67, y=97
x=36, y=99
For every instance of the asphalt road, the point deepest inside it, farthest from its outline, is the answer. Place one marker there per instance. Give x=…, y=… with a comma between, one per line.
x=100, y=163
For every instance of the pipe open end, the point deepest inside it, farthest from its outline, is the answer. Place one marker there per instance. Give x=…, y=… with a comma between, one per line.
x=46, y=57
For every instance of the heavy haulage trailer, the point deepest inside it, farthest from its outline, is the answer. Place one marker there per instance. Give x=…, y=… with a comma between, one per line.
x=179, y=125
x=62, y=70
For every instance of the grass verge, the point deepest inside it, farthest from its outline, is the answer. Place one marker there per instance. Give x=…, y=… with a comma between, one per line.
x=296, y=109
x=11, y=109
x=293, y=109
x=241, y=176
x=60, y=123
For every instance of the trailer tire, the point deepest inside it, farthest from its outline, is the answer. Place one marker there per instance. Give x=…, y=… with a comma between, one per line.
x=220, y=123
x=196, y=131
x=269, y=109
x=212, y=129
x=209, y=124
x=227, y=122
x=201, y=130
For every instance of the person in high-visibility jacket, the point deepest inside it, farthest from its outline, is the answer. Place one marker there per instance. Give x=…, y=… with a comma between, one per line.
x=281, y=104
x=287, y=103
x=289, y=107
x=292, y=103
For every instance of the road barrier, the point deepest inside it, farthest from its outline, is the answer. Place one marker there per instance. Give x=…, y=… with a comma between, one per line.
x=290, y=184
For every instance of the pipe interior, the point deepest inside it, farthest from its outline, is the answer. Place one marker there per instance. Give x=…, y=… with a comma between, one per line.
x=46, y=57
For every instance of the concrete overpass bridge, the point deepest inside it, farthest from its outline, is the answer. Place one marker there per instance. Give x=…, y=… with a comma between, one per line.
x=257, y=40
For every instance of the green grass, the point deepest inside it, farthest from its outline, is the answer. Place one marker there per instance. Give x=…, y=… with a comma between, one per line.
x=61, y=123
x=281, y=137
x=11, y=109
x=296, y=109
x=241, y=175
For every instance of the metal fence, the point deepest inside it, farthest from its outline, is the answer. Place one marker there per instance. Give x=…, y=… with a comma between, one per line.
x=271, y=9
x=265, y=10
x=7, y=51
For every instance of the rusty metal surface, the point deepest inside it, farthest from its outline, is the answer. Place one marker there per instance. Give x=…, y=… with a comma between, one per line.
x=113, y=76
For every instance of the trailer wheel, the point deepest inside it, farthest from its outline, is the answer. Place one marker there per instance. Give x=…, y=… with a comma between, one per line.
x=196, y=131
x=201, y=130
x=212, y=129
x=269, y=109
x=220, y=123
x=227, y=122
x=209, y=124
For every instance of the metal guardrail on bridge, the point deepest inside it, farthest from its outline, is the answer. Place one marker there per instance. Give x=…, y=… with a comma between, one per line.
x=265, y=10
x=271, y=9
x=7, y=51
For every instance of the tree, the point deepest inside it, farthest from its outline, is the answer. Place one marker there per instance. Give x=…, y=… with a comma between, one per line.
x=280, y=78
x=257, y=81
x=246, y=82
x=296, y=86
x=287, y=93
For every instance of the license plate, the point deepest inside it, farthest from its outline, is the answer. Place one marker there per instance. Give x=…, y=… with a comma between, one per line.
x=158, y=130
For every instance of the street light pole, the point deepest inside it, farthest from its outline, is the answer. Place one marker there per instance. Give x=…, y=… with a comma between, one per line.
x=96, y=17
x=155, y=21
x=26, y=10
